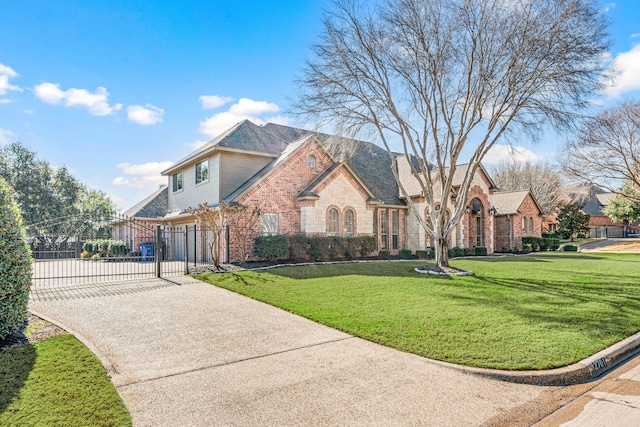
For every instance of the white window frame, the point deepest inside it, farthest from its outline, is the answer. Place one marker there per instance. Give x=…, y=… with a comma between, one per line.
x=177, y=182
x=199, y=173
x=269, y=224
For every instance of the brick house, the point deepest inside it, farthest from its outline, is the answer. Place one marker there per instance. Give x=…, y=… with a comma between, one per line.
x=318, y=184
x=594, y=200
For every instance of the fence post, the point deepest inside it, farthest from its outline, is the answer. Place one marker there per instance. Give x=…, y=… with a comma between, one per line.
x=186, y=249
x=158, y=251
x=78, y=247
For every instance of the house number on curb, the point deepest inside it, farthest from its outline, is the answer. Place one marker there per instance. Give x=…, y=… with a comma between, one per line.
x=598, y=364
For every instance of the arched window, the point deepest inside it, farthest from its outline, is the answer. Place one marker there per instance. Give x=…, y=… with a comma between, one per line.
x=311, y=161
x=332, y=222
x=348, y=223
x=530, y=224
x=524, y=224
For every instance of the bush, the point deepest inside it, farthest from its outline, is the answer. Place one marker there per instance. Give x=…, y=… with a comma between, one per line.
x=456, y=252
x=15, y=264
x=534, y=242
x=351, y=247
x=405, y=254
x=367, y=245
x=423, y=254
x=554, y=244
x=117, y=248
x=527, y=247
x=570, y=248
x=469, y=251
x=549, y=235
x=384, y=255
x=320, y=248
x=481, y=251
x=270, y=247
x=298, y=246
x=85, y=255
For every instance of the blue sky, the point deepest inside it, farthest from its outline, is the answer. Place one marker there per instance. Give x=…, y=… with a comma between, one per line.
x=118, y=90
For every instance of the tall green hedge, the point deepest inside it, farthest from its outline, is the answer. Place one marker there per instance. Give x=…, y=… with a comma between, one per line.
x=316, y=248
x=15, y=264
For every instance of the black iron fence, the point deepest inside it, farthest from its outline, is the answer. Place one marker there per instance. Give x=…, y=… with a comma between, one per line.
x=126, y=249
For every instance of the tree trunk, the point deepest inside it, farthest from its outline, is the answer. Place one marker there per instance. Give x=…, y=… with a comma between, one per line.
x=441, y=252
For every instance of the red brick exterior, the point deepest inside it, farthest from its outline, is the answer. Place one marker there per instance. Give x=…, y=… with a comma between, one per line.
x=469, y=220
x=277, y=193
x=528, y=210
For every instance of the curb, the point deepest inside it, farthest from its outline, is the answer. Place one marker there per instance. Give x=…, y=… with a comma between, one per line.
x=111, y=370
x=586, y=370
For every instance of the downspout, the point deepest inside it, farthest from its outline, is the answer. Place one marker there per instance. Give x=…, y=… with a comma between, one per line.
x=510, y=233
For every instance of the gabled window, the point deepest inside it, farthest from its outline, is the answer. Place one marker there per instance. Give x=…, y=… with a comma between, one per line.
x=348, y=223
x=269, y=224
x=524, y=224
x=531, y=225
x=202, y=171
x=332, y=222
x=311, y=161
x=176, y=181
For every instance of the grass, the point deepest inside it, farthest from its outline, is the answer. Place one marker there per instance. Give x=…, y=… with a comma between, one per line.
x=57, y=382
x=531, y=312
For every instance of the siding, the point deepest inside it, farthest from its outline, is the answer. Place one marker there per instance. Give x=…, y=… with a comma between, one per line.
x=192, y=194
x=236, y=168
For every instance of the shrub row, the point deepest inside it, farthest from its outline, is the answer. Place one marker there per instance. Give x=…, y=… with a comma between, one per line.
x=315, y=248
x=570, y=248
x=460, y=252
x=104, y=248
x=540, y=244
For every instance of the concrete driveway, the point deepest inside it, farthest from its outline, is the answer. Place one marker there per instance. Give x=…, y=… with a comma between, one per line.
x=186, y=353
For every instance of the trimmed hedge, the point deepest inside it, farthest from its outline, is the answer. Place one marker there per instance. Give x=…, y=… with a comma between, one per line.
x=317, y=248
x=405, y=254
x=105, y=248
x=456, y=252
x=481, y=251
x=570, y=248
x=15, y=264
x=384, y=255
x=424, y=254
x=541, y=243
x=527, y=247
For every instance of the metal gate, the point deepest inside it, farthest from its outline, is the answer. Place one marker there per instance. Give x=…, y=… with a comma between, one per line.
x=119, y=248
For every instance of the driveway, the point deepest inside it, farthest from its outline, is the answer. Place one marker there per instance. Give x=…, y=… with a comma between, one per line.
x=613, y=245
x=185, y=353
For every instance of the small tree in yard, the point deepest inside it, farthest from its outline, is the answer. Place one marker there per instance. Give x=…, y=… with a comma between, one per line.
x=216, y=218
x=15, y=265
x=241, y=225
x=571, y=220
x=623, y=209
x=449, y=78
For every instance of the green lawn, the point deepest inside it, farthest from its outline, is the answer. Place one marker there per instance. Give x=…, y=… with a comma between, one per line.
x=528, y=312
x=57, y=382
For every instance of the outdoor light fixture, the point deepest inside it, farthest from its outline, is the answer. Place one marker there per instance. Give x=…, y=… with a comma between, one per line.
x=492, y=211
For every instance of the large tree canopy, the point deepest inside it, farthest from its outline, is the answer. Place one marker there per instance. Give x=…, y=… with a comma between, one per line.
x=606, y=151
x=439, y=77
x=51, y=200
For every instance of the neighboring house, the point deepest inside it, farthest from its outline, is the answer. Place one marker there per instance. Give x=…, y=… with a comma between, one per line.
x=594, y=200
x=317, y=184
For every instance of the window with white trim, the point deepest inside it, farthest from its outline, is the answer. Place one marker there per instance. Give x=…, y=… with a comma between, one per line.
x=202, y=171
x=269, y=224
x=348, y=223
x=332, y=222
x=176, y=181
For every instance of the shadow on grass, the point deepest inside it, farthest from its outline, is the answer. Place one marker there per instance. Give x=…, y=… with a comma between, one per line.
x=601, y=311
x=15, y=365
x=384, y=269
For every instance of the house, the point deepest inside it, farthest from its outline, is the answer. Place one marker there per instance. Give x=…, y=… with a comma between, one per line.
x=593, y=201
x=316, y=184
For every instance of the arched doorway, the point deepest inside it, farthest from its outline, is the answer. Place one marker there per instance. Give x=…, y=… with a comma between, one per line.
x=476, y=223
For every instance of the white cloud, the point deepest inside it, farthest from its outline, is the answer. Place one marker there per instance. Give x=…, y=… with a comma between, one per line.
x=244, y=109
x=502, y=153
x=147, y=115
x=97, y=103
x=627, y=65
x=608, y=7
x=214, y=101
x=634, y=35
x=6, y=136
x=7, y=73
x=196, y=144
x=144, y=176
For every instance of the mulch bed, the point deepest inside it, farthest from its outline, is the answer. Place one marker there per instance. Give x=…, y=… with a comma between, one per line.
x=32, y=331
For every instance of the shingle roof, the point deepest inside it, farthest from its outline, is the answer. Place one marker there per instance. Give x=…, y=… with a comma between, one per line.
x=155, y=205
x=508, y=202
x=593, y=199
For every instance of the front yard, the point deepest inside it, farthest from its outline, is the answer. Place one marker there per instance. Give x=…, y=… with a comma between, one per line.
x=529, y=312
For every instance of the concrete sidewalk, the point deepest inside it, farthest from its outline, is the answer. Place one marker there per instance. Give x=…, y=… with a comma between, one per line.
x=188, y=353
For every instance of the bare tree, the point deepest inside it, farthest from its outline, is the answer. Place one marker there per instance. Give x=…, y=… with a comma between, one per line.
x=241, y=226
x=606, y=151
x=216, y=218
x=440, y=76
x=543, y=181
